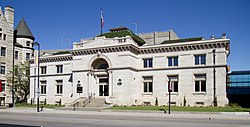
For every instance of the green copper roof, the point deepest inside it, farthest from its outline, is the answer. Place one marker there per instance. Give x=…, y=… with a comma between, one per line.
x=124, y=33
x=182, y=40
x=23, y=30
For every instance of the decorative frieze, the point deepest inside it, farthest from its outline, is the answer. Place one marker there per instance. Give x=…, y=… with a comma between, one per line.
x=53, y=59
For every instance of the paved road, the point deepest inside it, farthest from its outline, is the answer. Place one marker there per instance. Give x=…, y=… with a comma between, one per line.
x=117, y=119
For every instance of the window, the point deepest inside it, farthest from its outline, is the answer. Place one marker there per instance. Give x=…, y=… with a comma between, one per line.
x=3, y=85
x=200, y=83
x=148, y=84
x=4, y=37
x=2, y=69
x=16, y=54
x=3, y=51
x=79, y=88
x=43, y=70
x=148, y=63
x=173, y=61
x=28, y=43
x=59, y=68
x=173, y=81
x=200, y=59
x=43, y=87
x=27, y=56
x=59, y=86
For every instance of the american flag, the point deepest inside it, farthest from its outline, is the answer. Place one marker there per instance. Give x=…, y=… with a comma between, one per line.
x=102, y=20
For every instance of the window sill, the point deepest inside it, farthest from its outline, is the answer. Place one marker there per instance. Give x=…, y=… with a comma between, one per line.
x=149, y=93
x=172, y=93
x=172, y=66
x=199, y=93
x=200, y=64
x=58, y=94
x=147, y=67
x=42, y=94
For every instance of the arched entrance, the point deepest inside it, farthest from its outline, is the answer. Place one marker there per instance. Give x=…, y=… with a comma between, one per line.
x=100, y=66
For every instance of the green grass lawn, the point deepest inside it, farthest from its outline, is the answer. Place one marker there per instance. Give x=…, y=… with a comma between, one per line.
x=34, y=106
x=193, y=109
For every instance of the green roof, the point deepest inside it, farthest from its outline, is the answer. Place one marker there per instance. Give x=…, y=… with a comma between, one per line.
x=182, y=40
x=124, y=33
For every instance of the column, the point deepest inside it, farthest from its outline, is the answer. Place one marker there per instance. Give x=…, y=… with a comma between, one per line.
x=110, y=74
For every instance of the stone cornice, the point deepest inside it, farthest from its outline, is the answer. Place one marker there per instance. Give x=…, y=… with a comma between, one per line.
x=53, y=59
x=185, y=47
x=163, y=48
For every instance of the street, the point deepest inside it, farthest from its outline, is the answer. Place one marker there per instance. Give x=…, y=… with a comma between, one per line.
x=116, y=119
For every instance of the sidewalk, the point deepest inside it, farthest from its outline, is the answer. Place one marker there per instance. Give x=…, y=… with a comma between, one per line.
x=174, y=114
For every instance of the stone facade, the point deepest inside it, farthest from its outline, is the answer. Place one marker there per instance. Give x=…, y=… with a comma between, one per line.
x=124, y=73
x=6, y=58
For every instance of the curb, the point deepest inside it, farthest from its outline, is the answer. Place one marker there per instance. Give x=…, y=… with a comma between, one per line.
x=177, y=112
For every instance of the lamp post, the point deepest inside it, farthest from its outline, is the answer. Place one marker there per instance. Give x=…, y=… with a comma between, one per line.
x=13, y=68
x=169, y=95
x=38, y=75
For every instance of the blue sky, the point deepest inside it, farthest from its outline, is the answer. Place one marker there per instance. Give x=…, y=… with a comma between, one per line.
x=52, y=21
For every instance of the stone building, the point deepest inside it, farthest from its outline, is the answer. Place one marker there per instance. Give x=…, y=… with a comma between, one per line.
x=23, y=49
x=122, y=68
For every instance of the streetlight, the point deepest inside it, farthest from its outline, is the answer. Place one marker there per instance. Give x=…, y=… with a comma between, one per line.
x=38, y=75
x=169, y=95
x=13, y=68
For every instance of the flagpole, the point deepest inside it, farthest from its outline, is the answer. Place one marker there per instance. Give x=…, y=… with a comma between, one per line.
x=101, y=21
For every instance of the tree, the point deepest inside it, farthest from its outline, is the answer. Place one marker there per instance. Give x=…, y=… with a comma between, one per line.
x=21, y=81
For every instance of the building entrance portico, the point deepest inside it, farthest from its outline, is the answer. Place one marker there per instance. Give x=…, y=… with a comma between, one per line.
x=100, y=86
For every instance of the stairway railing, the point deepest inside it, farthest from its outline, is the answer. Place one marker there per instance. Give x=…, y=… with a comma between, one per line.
x=89, y=99
x=73, y=103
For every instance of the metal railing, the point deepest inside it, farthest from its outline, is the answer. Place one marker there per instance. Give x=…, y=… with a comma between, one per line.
x=89, y=99
x=75, y=105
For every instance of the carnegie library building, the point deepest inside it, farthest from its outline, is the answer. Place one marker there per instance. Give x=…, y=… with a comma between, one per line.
x=123, y=68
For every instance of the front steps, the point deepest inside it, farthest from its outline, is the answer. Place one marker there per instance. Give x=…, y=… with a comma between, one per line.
x=96, y=104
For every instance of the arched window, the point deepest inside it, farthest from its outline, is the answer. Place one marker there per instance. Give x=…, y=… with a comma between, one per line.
x=100, y=64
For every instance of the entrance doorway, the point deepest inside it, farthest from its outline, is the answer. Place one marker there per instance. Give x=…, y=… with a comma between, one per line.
x=103, y=86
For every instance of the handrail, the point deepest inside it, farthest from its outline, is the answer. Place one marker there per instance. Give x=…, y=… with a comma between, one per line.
x=89, y=99
x=75, y=105
x=74, y=102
